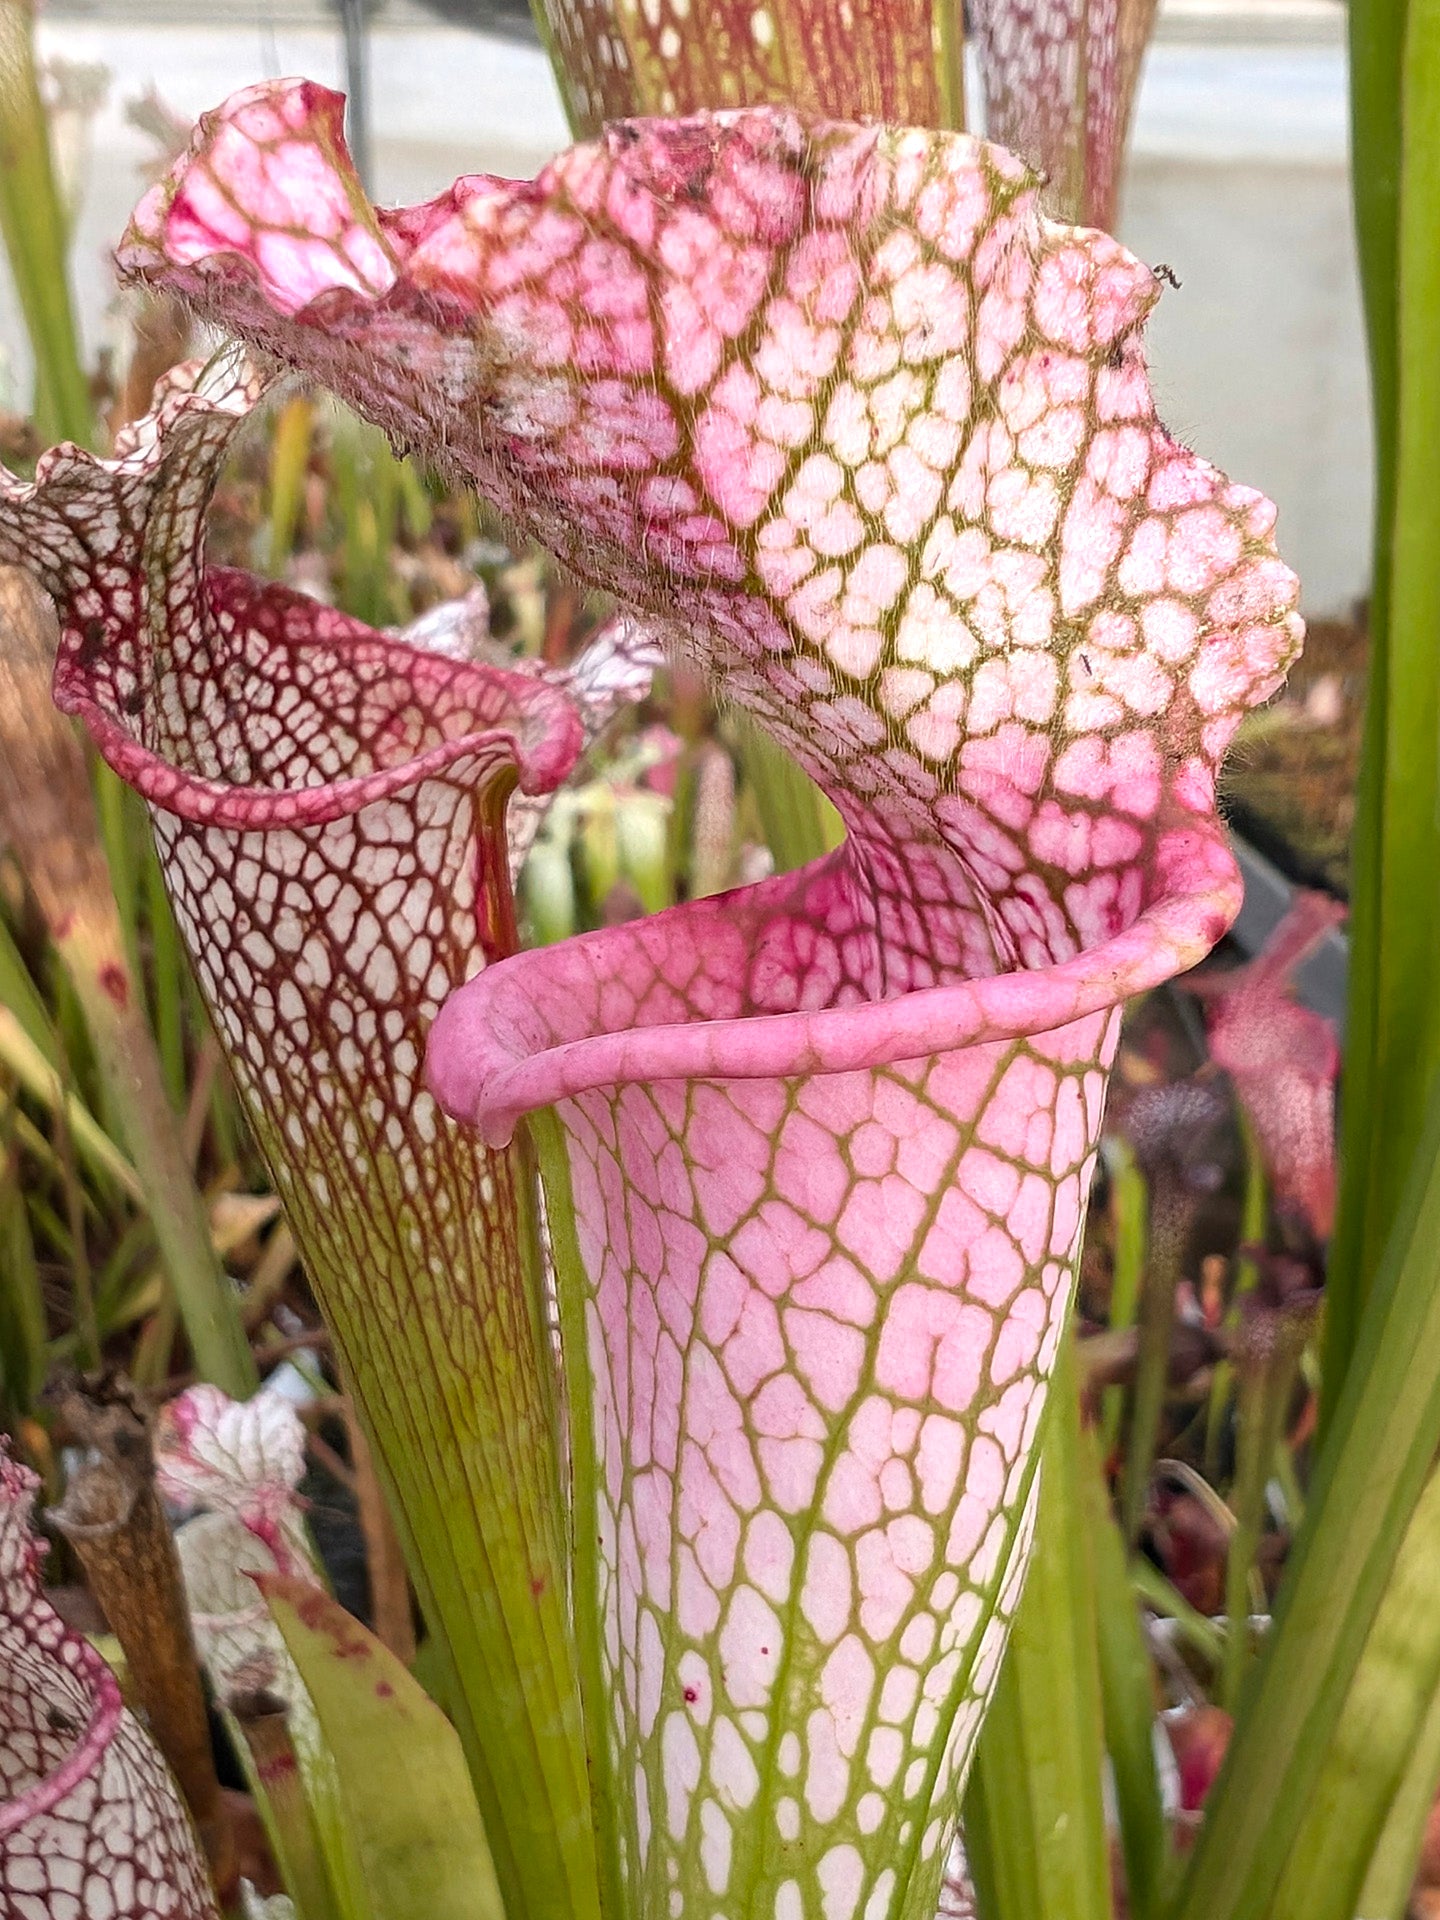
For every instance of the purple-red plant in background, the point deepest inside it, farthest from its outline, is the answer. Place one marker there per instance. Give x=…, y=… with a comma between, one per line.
x=90, y=1821
x=1283, y=1058
x=837, y=410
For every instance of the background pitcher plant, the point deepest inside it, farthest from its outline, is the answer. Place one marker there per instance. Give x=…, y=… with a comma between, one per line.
x=329, y=804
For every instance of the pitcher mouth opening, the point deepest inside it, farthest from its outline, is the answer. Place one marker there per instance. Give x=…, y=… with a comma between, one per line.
x=244, y=746
x=493, y=1055
x=529, y=739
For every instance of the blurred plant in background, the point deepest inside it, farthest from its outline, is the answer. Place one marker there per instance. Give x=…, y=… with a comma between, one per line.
x=1220, y=1700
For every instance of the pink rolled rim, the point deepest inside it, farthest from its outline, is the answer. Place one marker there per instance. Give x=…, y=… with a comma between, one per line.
x=89, y=1749
x=480, y=1075
x=542, y=744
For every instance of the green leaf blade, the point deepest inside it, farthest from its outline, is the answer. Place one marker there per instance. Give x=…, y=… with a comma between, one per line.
x=410, y=1822
x=1367, y=1761
x=1035, y=1820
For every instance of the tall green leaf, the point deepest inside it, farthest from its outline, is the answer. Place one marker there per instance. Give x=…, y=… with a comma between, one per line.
x=19, y=993
x=1034, y=1817
x=1390, y=1877
x=1367, y=1762
x=1393, y=1038
x=33, y=226
x=402, y=1832
x=1127, y=1695
x=23, y=1350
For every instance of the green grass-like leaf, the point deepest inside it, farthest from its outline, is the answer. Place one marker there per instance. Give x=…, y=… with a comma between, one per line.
x=402, y=1831
x=1367, y=1762
x=1384, y=1433
x=24, y=1353
x=1393, y=1033
x=1034, y=1817
x=798, y=822
x=34, y=230
x=1126, y=1693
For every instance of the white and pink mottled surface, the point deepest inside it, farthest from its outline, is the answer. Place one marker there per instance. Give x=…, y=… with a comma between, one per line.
x=241, y=1458
x=90, y=1821
x=843, y=416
